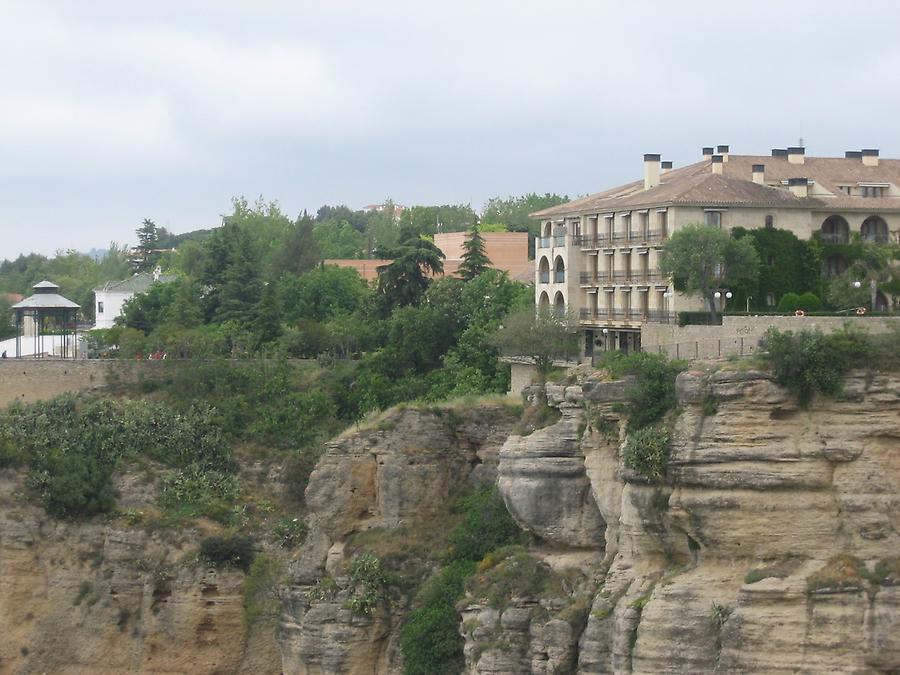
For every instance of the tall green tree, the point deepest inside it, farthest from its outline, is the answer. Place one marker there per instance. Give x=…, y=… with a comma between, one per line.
x=231, y=275
x=298, y=252
x=703, y=259
x=541, y=336
x=145, y=255
x=474, y=258
x=405, y=280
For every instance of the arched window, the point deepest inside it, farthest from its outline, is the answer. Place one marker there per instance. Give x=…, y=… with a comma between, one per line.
x=544, y=302
x=835, y=230
x=874, y=229
x=544, y=271
x=547, y=226
x=559, y=273
x=559, y=304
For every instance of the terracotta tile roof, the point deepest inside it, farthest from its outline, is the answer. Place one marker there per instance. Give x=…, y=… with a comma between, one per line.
x=695, y=184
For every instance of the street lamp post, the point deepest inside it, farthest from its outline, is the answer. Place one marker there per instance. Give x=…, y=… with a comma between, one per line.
x=722, y=297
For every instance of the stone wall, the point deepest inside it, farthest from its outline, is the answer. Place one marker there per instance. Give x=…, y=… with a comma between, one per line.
x=741, y=334
x=29, y=380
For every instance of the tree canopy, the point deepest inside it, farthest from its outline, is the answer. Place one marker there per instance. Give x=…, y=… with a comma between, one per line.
x=542, y=336
x=404, y=281
x=702, y=259
x=474, y=258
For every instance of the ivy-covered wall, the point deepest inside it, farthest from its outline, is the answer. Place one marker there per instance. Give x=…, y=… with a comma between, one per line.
x=787, y=265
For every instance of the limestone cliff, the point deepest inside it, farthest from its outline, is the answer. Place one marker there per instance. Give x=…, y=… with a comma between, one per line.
x=112, y=596
x=773, y=546
x=390, y=485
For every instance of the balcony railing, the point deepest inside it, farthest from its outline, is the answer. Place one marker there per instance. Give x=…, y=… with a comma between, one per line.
x=559, y=277
x=835, y=238
x=544, y=278
x=606, y=315
x=589, y=241
x=559, y=240
x=661, y=316
x=592, y=279
x=544, y=242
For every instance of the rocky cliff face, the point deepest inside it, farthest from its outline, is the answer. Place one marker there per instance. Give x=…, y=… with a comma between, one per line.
x=111, y=597
x=773, y=546
x=390, y=482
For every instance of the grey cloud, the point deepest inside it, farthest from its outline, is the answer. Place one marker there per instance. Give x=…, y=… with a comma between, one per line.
x=113, y=112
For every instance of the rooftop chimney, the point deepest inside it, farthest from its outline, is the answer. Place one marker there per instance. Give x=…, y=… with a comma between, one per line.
x=651, y=171
x=717, y=164
x=853, y=154
x=796, y=155
x=723, y=150
x=759, y=174
x=870, y=156
x=779, y=152
x=799, y=187
x=707, y=153
x=666, y=166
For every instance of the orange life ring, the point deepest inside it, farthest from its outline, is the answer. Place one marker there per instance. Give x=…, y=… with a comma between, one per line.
x=860, y=311
x=799, y=312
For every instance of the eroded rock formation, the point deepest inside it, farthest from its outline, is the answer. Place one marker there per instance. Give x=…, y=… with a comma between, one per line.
x=773, y=546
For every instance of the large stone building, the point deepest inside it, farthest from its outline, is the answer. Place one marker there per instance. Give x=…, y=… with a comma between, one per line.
x=597, y=256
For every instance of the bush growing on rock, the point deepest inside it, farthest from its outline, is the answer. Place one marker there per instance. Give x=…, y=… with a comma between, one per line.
x=235, y=550
x=647, y=452
x=810, y=362
x=73, y=444
x=431, y=641
x=653, y=394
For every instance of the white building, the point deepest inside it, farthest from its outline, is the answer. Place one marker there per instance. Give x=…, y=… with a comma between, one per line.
x=111, y=296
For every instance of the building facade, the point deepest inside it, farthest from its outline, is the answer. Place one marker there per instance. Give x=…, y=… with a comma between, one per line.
x=597, y=257
x=112, y=296
x=507, y=251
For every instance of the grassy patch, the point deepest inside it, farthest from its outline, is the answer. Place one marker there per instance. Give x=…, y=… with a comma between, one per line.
x=537, y=417
x=842, y=572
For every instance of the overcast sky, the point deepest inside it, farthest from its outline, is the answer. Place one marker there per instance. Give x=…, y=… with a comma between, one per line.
x=111, y=112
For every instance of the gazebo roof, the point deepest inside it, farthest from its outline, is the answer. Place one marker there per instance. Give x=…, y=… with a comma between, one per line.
x=45, y=298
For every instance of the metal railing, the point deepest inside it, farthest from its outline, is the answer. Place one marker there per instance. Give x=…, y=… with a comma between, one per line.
x=648, y=315
x=544, y=278
x=559, y=240
x=544, y=242
x=559, y=277
x=835, y=237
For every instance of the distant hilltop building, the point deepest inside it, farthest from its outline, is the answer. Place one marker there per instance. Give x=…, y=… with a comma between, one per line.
x=111, y=296
x=507, y=251
x=597, y=256
x=380, y=208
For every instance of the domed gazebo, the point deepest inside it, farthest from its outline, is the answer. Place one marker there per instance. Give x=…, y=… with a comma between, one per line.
x=46, y=316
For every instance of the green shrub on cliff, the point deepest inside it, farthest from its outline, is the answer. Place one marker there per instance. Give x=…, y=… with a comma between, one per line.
x=73, y=444
x=647, y=452
x=810, y=362
x=430, y=640
x=653, y=393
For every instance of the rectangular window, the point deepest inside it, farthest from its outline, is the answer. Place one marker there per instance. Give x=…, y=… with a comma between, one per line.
x=713, y=218
x=872, y=191
x=99, y=308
